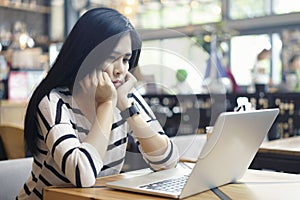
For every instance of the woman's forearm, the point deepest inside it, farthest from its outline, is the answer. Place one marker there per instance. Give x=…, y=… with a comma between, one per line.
x=157, y=150
x=151, y=142
x=101, y=128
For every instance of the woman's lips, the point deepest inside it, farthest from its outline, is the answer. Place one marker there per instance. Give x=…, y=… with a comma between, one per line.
x=117, y=83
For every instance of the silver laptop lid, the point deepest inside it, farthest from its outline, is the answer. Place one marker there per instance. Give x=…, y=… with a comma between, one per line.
x=230, y=149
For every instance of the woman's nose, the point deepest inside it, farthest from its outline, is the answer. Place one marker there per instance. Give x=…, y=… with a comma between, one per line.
x=119, y=68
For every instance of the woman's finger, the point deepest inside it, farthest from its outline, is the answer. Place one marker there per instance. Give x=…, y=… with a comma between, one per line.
x=94, y=78
x=105, y=76
x=130, y=76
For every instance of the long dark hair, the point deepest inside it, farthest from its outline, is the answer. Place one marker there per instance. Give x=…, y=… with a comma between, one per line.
x=94, y=27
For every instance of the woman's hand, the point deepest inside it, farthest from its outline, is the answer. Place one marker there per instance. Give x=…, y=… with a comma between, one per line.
x=123, y=91
x=105, y=90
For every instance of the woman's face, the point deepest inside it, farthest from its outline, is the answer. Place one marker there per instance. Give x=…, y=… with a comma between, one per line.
x=117, y=65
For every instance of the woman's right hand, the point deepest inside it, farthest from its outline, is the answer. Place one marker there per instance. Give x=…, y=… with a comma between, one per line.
x=105, y=90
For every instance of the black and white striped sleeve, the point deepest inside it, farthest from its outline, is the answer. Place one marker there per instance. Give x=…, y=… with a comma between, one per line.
x=80, y=162
x=167, y=160
x=170, y=157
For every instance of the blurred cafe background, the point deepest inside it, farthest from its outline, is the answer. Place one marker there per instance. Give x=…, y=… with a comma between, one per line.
x=198, y=56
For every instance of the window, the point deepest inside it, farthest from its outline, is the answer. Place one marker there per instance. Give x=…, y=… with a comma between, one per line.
x=285, y=6
x=244, y=56
x=241, y=9
x=161, y=59
x=245, y=50
x=167, y=14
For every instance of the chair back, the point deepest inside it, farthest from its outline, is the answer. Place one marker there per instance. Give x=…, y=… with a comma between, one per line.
x=13, y=141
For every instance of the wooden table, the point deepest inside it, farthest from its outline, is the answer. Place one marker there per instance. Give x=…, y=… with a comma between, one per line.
x=279, y=155
x=255, y=185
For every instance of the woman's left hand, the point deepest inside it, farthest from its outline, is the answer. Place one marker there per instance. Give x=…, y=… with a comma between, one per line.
x=123, y=90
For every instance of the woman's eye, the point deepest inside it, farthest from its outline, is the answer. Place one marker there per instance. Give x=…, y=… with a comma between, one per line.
x=126, y=60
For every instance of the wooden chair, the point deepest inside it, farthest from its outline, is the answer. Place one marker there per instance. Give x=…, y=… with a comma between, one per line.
x=13, y=141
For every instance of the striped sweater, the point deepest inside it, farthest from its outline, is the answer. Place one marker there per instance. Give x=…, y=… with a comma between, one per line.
x=63, y=157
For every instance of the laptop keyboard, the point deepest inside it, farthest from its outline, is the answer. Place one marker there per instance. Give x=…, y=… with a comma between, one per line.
x=168, y=185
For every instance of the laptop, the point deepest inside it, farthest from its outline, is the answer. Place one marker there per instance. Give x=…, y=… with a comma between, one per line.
x=224, y=158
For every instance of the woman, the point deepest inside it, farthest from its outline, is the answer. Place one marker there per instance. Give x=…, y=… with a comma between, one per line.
x=79, y=117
